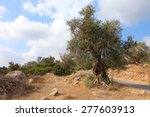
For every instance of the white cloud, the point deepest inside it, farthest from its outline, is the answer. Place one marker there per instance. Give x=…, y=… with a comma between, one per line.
x=41, y=38
x=147, y=40
x=57, y=9
x=23, y=29
x=7, y=55
x=127, y=11
x=2, y=11
x=44, y=39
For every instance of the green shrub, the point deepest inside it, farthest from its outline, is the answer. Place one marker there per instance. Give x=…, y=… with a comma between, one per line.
x=3, y=72
x=13, y=66
x=148, y=61
x=88, y=80
x=61, y=70
x=37, y=70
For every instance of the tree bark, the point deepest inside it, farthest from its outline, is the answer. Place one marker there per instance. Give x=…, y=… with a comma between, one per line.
x=100, y=71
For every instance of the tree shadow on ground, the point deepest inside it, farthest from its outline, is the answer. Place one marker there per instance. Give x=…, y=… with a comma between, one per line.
x=134, y=85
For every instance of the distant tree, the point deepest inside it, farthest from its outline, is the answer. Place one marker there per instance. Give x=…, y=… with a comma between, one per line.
x=39, y=59
x=12, y=66
x=47, y=61
x=30, y=64
x=100, y=39
x=3, y=70
x=136, y=52
x=67, y=61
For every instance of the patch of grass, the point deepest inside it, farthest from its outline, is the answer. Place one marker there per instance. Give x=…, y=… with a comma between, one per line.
x=88, y=81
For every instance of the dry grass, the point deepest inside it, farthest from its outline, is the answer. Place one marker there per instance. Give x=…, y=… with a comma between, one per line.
x=70, y=91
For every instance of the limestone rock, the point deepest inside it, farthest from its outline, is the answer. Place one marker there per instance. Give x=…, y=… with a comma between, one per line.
x=54, y=92
x=30, y=81
x=19, y=77
x=77, y=79
x=65, y=80
x=145, y=92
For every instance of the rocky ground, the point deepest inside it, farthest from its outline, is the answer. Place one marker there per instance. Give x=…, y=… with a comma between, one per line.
x=133, y=73
x=73, y=87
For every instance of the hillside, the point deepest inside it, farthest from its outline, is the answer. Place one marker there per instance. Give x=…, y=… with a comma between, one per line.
x=135, y=73
x=73, y=86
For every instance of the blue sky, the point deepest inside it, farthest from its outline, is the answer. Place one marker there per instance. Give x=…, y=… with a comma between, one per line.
x=32, y=28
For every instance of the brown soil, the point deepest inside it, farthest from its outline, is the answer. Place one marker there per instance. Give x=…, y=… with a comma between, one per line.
x=69, y=89
x=134, y=73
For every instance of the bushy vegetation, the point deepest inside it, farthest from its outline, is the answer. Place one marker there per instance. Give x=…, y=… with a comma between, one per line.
x=3, y=70
x=47, y=64
x=61, y=70
x=37, y=70
x=12, y=66
x=136, y=52
x=88, y=80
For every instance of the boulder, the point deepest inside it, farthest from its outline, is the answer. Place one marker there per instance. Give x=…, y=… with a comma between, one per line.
x=19, y=77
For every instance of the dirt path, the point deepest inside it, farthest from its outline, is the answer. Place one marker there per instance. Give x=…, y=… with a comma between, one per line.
x=133, y=84
x=69, y=90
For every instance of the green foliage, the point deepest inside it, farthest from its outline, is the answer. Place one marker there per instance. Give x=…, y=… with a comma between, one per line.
x=65, y=66
x=61, y=70
x=31, y=64
x=49, y=64
x=36, y=70
x=148, y=61
x=83, y=61
x=3, y=70
x=47, y=61
x=88, y=81
x=136, y=52
x=12, y=66
x=99, y=39
x=91, y=40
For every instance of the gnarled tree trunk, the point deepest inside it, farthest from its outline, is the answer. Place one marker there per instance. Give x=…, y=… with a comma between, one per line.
x=100, y=71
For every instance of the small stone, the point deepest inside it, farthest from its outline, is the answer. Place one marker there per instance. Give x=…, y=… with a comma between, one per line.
x=77, y=79
x=124, y=74
x=44, y=98
x=145, y=92
x=145, y=65
x=31, y=80
x=69, y=82
x=54, y=92
x=142, y=75
x=76, y=83
x=65, y=80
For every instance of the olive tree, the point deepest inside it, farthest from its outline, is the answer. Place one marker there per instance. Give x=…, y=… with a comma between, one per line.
x=100, y=39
